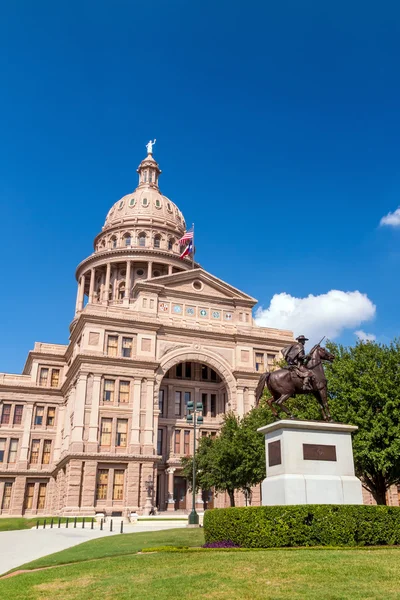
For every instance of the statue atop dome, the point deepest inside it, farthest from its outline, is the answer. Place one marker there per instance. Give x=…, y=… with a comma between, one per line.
x=150, y=145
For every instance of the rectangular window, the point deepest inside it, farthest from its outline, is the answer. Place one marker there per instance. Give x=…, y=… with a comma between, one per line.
x=118, y=487
x=39, y=415
x=160, y=442
x=204, y=403
x=127, y=347
x=12, y=453
x=178, y=371
x=112, y=345
x=44, y=375
x=213, y=435
x=5, y=505
x=46, y=452
x=105, y=432
x=5, y=415
x=55, y=378
x=259, y=361
x=188, y=370
x=51, y=416
x=178, y=401
x=213, y=403
x=213, y=375
x=124, y=387
x=187, y=399
x=109, y=388
x=102, y=484
x=177, y=444
x=42, y=496
x=122, y=433
x=35, y=452
x=204, y=372
x=186, y=443
x=161, y=402
x=18, y=410
x=2, y=449
x=29, y=491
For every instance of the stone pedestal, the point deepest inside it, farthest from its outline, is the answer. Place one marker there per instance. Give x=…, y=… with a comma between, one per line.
x=309, y=462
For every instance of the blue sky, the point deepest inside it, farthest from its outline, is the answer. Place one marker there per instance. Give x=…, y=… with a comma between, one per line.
x=277, y=129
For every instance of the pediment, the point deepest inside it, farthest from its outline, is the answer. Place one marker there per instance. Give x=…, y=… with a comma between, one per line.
x=201, y=284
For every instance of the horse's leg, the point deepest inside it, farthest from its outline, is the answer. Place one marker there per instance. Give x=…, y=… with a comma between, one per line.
x=280, y=402
x=322, y=399
x=318, y=397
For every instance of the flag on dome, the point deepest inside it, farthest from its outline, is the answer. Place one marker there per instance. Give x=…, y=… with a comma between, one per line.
x=188, y=235
x=188, y=250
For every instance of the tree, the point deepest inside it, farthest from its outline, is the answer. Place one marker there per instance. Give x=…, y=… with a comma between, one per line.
x=364, y=390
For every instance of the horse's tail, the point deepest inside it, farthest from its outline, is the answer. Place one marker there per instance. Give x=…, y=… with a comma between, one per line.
x=263, y=381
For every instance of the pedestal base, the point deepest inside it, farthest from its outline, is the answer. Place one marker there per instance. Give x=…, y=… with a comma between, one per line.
x=309, y=462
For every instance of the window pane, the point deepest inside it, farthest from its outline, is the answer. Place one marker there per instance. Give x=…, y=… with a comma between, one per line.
x=105, y=434
x=2, y=448
x=161, y=402
x=188, y=370
x=213, y=405
x=118, y=487
x=6, y=496
x=177, y=445
x=102, y=484
x=213, y=375
x=35, y=452
x=122, y=432
x=42, y=495
x=5, y=415
x=44, y=375
x=259, y=361
x=187, y=399
x=159, y=442
x=127, y=347
x=204, y=402
x=178, y=371
x=18, y=414
x=55, y=377
x=124, y=387
x=178, y=398
x=12, y=453
x=39, y=415
x=112, y=345
x=29, y=491
x=109, y=387
x=46, y=452
x=187, y=443
x=204, y=372
x=51, y=414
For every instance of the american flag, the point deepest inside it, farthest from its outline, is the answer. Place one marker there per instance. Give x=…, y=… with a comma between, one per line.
x=188, y=235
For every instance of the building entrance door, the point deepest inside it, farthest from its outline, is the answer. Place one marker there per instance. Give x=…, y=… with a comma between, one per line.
x=208, y=499
x=180, y=493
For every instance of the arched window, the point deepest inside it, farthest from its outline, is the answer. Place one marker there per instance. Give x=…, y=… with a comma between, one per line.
x=113, y=242
x=127, y=239
x=150, y=177
x=171, y=243
x=145, y=176
x=157, y=241
x=121, y=290
x=110, y=292
x=142, y=239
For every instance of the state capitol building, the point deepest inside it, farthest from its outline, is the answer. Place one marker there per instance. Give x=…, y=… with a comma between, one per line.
x=88, y=423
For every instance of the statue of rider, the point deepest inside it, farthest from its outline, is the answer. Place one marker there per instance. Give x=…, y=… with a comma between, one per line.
x=296, y=359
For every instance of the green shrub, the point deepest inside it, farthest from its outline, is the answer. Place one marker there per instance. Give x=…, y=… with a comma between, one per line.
x=304, y=525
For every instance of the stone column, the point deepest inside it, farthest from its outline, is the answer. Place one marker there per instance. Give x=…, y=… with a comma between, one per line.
x=148, y=424
x=94, y=415
x=149, y=269
x=107, y=283
x=135, y=424
x=169, y=269
x=23, y=455
x=79, y=412
x=78, y=295
x=171, y=501
x=251, y=395
x=239, y=402
x=127, y=283
x=91, y=285
x=81, y=292
x=58, y=440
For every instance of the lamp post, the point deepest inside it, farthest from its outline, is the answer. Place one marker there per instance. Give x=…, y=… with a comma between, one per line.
x=194, y=418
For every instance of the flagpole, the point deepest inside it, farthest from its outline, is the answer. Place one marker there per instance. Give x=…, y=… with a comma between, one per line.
x=193, y=250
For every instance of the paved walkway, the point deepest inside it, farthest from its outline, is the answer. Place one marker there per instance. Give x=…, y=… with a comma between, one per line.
x=20, y=547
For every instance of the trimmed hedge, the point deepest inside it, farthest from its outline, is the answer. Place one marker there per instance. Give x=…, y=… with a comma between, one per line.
x=304, y=525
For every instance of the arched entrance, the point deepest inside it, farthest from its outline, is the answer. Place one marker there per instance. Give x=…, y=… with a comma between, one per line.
x=197, y=378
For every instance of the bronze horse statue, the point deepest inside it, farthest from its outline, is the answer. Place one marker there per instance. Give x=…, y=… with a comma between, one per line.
x=285, y=383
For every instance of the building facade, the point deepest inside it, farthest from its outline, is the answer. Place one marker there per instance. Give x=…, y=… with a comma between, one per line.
x=88, y=424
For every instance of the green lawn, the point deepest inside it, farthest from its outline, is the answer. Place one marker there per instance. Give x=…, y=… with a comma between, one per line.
x=295, y=574
x=10, y=524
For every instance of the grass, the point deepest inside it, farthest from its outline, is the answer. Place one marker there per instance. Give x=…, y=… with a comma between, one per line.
x=295, y=574
x=11, y=524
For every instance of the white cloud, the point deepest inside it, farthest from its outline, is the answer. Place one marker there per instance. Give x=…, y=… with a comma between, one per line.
x=316, y=316
x=365, y=337
x=392, y=219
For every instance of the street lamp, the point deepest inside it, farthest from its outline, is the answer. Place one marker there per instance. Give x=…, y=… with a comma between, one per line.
x=194, y=418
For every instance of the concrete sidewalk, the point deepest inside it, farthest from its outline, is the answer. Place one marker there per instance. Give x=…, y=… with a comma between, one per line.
x=20, y=547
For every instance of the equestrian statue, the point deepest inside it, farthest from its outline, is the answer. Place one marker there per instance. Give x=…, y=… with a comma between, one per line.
x=303, y=375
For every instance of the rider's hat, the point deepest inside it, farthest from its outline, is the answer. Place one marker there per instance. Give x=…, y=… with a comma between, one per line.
x=302, y=338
